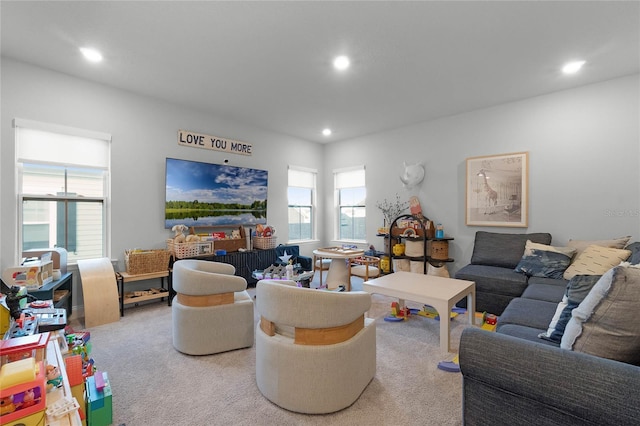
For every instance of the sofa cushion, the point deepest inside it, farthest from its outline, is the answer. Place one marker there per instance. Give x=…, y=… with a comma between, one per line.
x=581, y=245
x=577, y=289
x=549, y=292
x=605, y=323
x=541, y=260
x=493, y=279
x=523, y=332
x=504, y=250
x=596, y=260
x=528, y=312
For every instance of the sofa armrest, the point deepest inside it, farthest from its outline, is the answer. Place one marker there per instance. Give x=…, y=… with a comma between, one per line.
x=507, y=380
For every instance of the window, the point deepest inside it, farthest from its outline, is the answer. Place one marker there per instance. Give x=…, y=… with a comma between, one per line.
x=63, y=189
x=301, y=196
x=350, y=196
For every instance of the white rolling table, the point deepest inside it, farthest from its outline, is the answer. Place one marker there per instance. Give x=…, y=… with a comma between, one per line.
x=441, y=293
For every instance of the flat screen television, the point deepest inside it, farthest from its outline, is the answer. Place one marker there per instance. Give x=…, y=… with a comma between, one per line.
x=205, y=194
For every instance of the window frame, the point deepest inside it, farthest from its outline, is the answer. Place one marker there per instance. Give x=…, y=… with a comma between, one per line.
x=23, y=157
x=312, y=186
x=339, y=176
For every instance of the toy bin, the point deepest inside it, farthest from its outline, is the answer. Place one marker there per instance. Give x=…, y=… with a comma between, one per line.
x=23, y=393
x=190, y=249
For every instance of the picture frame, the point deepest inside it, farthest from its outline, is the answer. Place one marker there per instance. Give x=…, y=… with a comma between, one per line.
x=497, y=190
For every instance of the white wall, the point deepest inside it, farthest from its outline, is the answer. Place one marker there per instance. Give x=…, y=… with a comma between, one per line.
x=584, y=157
x=144, y=132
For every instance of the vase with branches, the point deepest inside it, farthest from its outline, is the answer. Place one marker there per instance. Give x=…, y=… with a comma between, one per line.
x=391, y=210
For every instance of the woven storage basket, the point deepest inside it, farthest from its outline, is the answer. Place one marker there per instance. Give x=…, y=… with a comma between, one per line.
x=440, y=250
x=190, y=249
x=146, y=261
x=264, y=243
x=414, y=248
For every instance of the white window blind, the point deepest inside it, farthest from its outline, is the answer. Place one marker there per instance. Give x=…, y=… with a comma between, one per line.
x=74, y=148
x=302, y=178
x=349, y=178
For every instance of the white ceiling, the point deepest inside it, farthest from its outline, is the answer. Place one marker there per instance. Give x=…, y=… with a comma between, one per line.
x=268, y=64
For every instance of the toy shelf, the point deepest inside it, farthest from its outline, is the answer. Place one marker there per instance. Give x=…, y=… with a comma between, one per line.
x=123, y=278
x=54, y=357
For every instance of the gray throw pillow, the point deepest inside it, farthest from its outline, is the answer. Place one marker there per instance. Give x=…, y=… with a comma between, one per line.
x=605, y=323
x=634, y=248
x=504, y=250
x=577, y=289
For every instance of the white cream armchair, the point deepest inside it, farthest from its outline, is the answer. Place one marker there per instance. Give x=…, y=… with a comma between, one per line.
x=315, y=350
x=212, y=311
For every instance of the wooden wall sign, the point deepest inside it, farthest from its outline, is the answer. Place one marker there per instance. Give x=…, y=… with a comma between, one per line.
x=198, y=140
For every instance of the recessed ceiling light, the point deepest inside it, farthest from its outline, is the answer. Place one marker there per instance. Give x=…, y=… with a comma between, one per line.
x=341, y=63
x=572, y=67
x=326, y=132
x=91, y=55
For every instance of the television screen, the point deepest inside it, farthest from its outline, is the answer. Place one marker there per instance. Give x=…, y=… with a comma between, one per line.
x=204, y=194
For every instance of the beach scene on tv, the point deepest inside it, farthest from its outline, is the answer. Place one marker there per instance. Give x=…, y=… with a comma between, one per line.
x=205, y=194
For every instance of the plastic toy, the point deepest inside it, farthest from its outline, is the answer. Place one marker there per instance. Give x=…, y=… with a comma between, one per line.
x=398, y=313
x=491, y=319
x=28, y=399
x=430, y=312
x=452, y=366
x=6, y=405
x=13, y=301
x=54, y=378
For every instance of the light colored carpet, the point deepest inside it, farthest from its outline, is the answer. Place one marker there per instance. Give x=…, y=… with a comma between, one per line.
x=153, y=384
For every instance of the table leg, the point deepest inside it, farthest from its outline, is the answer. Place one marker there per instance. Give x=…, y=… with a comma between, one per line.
x=444, y=310
x=471, y=308
x=121, y=291
x=338, y=273
x=170, y=280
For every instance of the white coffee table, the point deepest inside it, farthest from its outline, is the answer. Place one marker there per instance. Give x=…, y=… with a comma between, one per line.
x=441, y=293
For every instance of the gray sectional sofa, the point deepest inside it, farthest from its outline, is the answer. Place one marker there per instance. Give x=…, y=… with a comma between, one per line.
x=493, y=262
x=588, y=376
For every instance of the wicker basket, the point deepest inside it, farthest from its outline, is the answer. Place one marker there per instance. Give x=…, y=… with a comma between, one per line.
x=146, y=261
x=190, y=249
x=264, y=243
x=440, y=250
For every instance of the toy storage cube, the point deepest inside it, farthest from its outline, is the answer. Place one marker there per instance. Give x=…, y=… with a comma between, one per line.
x=99, y=411
x=22, y=391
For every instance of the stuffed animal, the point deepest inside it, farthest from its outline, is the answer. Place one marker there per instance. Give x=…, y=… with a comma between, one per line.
x=179, y=236
x=192, y=236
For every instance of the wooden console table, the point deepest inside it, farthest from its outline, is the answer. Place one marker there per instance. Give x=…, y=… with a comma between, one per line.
x=124, y=277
